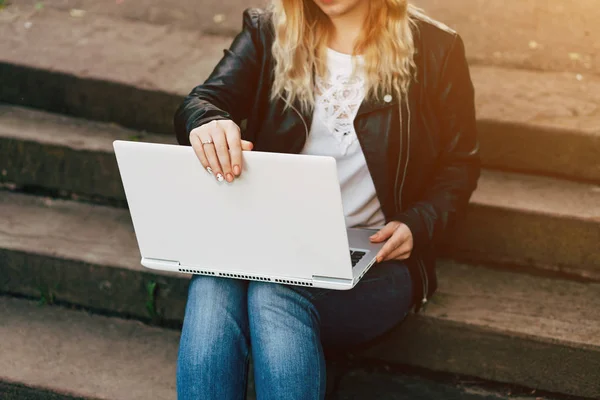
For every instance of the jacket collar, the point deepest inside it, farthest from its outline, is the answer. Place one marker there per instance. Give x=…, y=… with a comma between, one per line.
x=370, y=105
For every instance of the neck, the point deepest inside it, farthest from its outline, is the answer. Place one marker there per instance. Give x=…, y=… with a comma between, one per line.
x=347, y=28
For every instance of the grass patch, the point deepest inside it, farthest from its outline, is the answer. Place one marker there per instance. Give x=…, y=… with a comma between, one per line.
x=151, y=291
x=46, y=296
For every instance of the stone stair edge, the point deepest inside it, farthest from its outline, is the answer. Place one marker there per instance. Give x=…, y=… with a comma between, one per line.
x=25, y=131
x=21, y=126
x=502, y=224
x=62, y=363
x=493, y=355
x=16, y=390
x=452, y=337
x=572, y=52
x=95, y=247
x=122, y=376
x=113, y=91
x=82, y=85
x=108, y=277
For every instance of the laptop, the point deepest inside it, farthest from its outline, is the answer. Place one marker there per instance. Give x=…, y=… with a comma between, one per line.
x=281, y=221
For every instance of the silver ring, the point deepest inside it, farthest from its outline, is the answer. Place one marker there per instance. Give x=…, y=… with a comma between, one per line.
x=209, y=141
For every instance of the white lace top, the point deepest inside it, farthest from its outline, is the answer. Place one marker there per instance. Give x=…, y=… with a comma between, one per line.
x=332, y=133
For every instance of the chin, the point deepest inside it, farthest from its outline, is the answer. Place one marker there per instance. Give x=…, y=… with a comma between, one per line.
x=336, y=12
x=332, y=8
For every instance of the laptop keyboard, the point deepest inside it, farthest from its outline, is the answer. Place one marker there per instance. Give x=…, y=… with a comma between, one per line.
x=356, y=256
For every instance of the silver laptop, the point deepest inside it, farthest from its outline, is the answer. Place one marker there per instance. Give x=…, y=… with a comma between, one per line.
x=281, y=221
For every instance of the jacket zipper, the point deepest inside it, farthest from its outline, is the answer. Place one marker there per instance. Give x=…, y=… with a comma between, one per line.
x=425, y=281
x=398, y=193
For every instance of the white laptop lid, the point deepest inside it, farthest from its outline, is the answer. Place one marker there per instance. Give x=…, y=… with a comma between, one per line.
x=282, y=217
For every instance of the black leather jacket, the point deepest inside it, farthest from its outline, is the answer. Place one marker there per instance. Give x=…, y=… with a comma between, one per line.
x=422, y=153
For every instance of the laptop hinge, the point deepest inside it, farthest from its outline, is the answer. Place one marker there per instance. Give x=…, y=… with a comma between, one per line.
x=335, y=281
x=161, y=264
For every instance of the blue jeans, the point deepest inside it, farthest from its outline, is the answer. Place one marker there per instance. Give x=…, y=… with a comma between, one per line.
x=285, y=328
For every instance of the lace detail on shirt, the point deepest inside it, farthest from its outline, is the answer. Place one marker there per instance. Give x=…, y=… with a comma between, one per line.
x=338, y=99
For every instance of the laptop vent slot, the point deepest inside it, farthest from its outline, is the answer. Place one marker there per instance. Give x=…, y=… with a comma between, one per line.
x=240, y=276
x=196, y=271
x=293, y=282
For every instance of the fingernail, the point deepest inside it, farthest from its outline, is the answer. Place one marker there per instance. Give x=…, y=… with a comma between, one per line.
x=229, y=178
x=236, y=169
x=220, y=177
x=209, y=170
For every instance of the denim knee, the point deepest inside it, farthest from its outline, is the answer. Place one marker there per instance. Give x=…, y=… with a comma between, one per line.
x=286, y=349
x=215, y=315
x=273, y=301
x=280, y=317
x=214, y=345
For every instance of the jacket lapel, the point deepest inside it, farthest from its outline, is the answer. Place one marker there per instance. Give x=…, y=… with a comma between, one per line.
x=370, y=105
x=382, y=140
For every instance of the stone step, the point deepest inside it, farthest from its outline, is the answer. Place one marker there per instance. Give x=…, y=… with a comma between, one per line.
x=135, y=74
x=506, y=327
x=511, y=327
x=506, y=224
x=529, y=221
x=63, y=154
x=532, y=42
x=61, y=354
x=546, y=36
x=83, y=355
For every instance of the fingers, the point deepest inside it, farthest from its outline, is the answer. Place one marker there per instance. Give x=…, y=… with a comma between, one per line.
x=198, y=149
x=219, y=147
x=234, y=142
x=247, y=146
x=401, y=253
x=398, y=245
x=385, y=233
x=392, y=244
x=214, y=135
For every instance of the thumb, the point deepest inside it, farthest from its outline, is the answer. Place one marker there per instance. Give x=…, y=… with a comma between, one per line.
x=384, y=233
x=246, y=145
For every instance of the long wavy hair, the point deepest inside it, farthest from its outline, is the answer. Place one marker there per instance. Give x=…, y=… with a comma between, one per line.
x=302, y=32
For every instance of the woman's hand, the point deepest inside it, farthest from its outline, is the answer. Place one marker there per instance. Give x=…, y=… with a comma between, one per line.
x=219, y=146
x=399, y=243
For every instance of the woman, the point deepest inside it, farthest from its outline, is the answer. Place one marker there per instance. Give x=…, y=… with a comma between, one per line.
x=387, y=92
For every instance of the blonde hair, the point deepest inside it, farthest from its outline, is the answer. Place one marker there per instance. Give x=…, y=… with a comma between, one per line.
x=301, y=35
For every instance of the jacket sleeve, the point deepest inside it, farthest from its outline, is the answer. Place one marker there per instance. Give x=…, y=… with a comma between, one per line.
x=230, y=88
x=447, y=196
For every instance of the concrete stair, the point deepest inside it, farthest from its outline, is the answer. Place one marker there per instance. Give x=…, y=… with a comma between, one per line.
x=66, y=236
x=543, y=123
x=63, y=154
x=69, y=252
x=56, y=353
x=531, y=42
x=531, y=221
x=73, y=352
x=67, y=155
